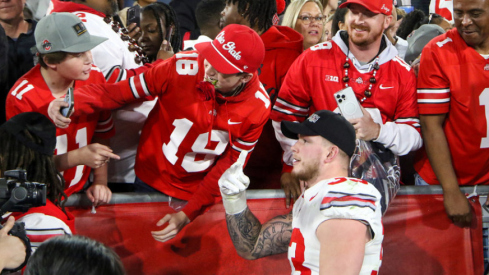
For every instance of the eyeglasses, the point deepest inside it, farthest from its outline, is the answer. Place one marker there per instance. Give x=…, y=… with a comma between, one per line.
x=309, y=19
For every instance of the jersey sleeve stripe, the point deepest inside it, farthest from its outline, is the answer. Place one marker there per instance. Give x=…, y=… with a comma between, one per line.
x=434, y=91
x=241, y=149
x=280, y=110
x=347, y=204
x=104, y=122
x=143, y=84
x=133, y=87
x=292, y=106
x=434, y=101
x=244, y=143
x=114, y=75
x=105, y=129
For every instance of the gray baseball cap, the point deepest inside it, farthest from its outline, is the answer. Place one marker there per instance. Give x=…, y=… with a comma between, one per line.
x=64, y=32
x=418, y=39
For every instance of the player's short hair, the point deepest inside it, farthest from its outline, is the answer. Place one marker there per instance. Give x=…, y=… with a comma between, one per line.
x=258, y=12
x=51, y=58
x=74, y=255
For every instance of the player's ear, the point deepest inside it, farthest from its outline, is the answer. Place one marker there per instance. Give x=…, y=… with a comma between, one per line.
x=387, y=21
x=246, y=77
x=331, y=153
x=50, y=65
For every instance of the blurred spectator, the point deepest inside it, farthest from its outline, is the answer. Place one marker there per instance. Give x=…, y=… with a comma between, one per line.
x=185, y=11
x=123, y=12
x=65, y=61
x=21, y=44
x=440, y=21
x=156, y=21
x=74, y=255
x=282, y=46
x=418, y=40
x=3, y=71
x=27, y=141
x=327, y=35
x=330, y=6
x=38, y=8
x=12, y=249
x=306, y=17
x=339, y=21
x=208, y=15
x=411, y=22
x=400, y=44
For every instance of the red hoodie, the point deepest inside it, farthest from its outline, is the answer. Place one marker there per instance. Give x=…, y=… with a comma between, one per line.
x=282, y=46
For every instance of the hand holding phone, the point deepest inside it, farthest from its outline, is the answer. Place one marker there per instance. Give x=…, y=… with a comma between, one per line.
x=66, y=111
x=169, y=33
x=134, y=15
x=348, y=103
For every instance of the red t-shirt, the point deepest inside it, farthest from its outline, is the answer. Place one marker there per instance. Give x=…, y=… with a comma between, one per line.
x=31, y=94
x=454, y=80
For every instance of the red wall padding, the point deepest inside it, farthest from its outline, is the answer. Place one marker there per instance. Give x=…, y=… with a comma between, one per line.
x=419, y=239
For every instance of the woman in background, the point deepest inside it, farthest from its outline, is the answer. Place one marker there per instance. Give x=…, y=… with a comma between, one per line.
x=157, y=20
x=306, y=17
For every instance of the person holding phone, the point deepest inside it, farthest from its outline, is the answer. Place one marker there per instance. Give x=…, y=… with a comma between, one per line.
x=210, y=107
x=159, y=30
x=365, y=60
x=65, y=61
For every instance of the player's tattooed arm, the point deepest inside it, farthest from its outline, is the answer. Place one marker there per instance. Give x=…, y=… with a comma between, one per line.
x=253, y=240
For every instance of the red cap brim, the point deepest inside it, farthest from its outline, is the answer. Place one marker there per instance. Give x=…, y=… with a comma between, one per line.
x=216, y=59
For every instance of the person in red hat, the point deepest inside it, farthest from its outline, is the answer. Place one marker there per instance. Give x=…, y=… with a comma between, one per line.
x=365, y=60
x=211, y=106
x=282, y=46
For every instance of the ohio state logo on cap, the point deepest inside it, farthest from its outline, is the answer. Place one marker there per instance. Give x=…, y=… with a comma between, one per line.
x=46, y=45
x=229, y=46
x=384, y=8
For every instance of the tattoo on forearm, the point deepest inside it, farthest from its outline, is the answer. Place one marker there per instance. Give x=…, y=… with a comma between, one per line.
x=253, y=240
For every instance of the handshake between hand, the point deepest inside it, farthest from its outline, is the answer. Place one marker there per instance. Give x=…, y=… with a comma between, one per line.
x=233, y=184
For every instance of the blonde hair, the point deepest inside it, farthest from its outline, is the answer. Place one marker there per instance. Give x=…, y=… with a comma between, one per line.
x=293, y=10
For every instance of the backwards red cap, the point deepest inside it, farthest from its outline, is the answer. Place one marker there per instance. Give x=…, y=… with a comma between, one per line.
x=376, y=6
x=236, y=49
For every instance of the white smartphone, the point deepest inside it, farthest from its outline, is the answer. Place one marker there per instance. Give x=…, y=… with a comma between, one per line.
x=348, y=103
x=66, y=111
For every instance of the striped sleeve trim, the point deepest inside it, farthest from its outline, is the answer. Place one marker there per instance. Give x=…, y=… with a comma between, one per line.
x=138, y=86
x=413, y=121
x=240, y=145
x=433, y=96
x=340, y=199
x=37, y=236
x=104, y=126
x=115, y=74
x=288, y=108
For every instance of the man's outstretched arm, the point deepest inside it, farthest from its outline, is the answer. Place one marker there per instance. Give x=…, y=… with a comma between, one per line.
x=251, y=239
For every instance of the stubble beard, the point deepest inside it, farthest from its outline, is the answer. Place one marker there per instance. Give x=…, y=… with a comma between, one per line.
x=310, y=171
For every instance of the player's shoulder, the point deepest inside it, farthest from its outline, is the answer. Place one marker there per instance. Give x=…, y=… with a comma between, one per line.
x=349, y=186
x=29, y=82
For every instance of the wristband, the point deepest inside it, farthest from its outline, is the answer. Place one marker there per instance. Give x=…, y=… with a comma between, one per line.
x=234, y=204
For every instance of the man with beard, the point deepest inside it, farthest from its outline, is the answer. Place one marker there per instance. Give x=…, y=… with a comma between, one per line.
x=282, y=46
x=453, y=99
x=118, y=60
x=335, y=227
x=365, y=60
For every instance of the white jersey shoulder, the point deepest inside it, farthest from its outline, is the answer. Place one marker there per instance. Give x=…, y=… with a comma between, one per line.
x=39, y=227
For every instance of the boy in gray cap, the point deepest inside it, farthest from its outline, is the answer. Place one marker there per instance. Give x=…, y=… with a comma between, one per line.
x=65, y=61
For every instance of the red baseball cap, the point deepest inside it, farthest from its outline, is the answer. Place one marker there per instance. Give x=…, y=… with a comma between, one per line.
x=236, y=49
x=376, y=6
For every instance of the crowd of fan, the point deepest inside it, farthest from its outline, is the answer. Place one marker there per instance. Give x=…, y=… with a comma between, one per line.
x=129, y=102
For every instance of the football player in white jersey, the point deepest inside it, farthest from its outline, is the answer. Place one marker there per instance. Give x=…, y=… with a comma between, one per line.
x=335, y=226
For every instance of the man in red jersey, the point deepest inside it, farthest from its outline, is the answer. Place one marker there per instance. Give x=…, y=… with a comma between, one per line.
x=453, y=99
x=282, y=46
x=194, y=133
x=363, y=59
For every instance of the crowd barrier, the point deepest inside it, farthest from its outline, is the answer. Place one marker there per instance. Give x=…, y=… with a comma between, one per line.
x=419, y=238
